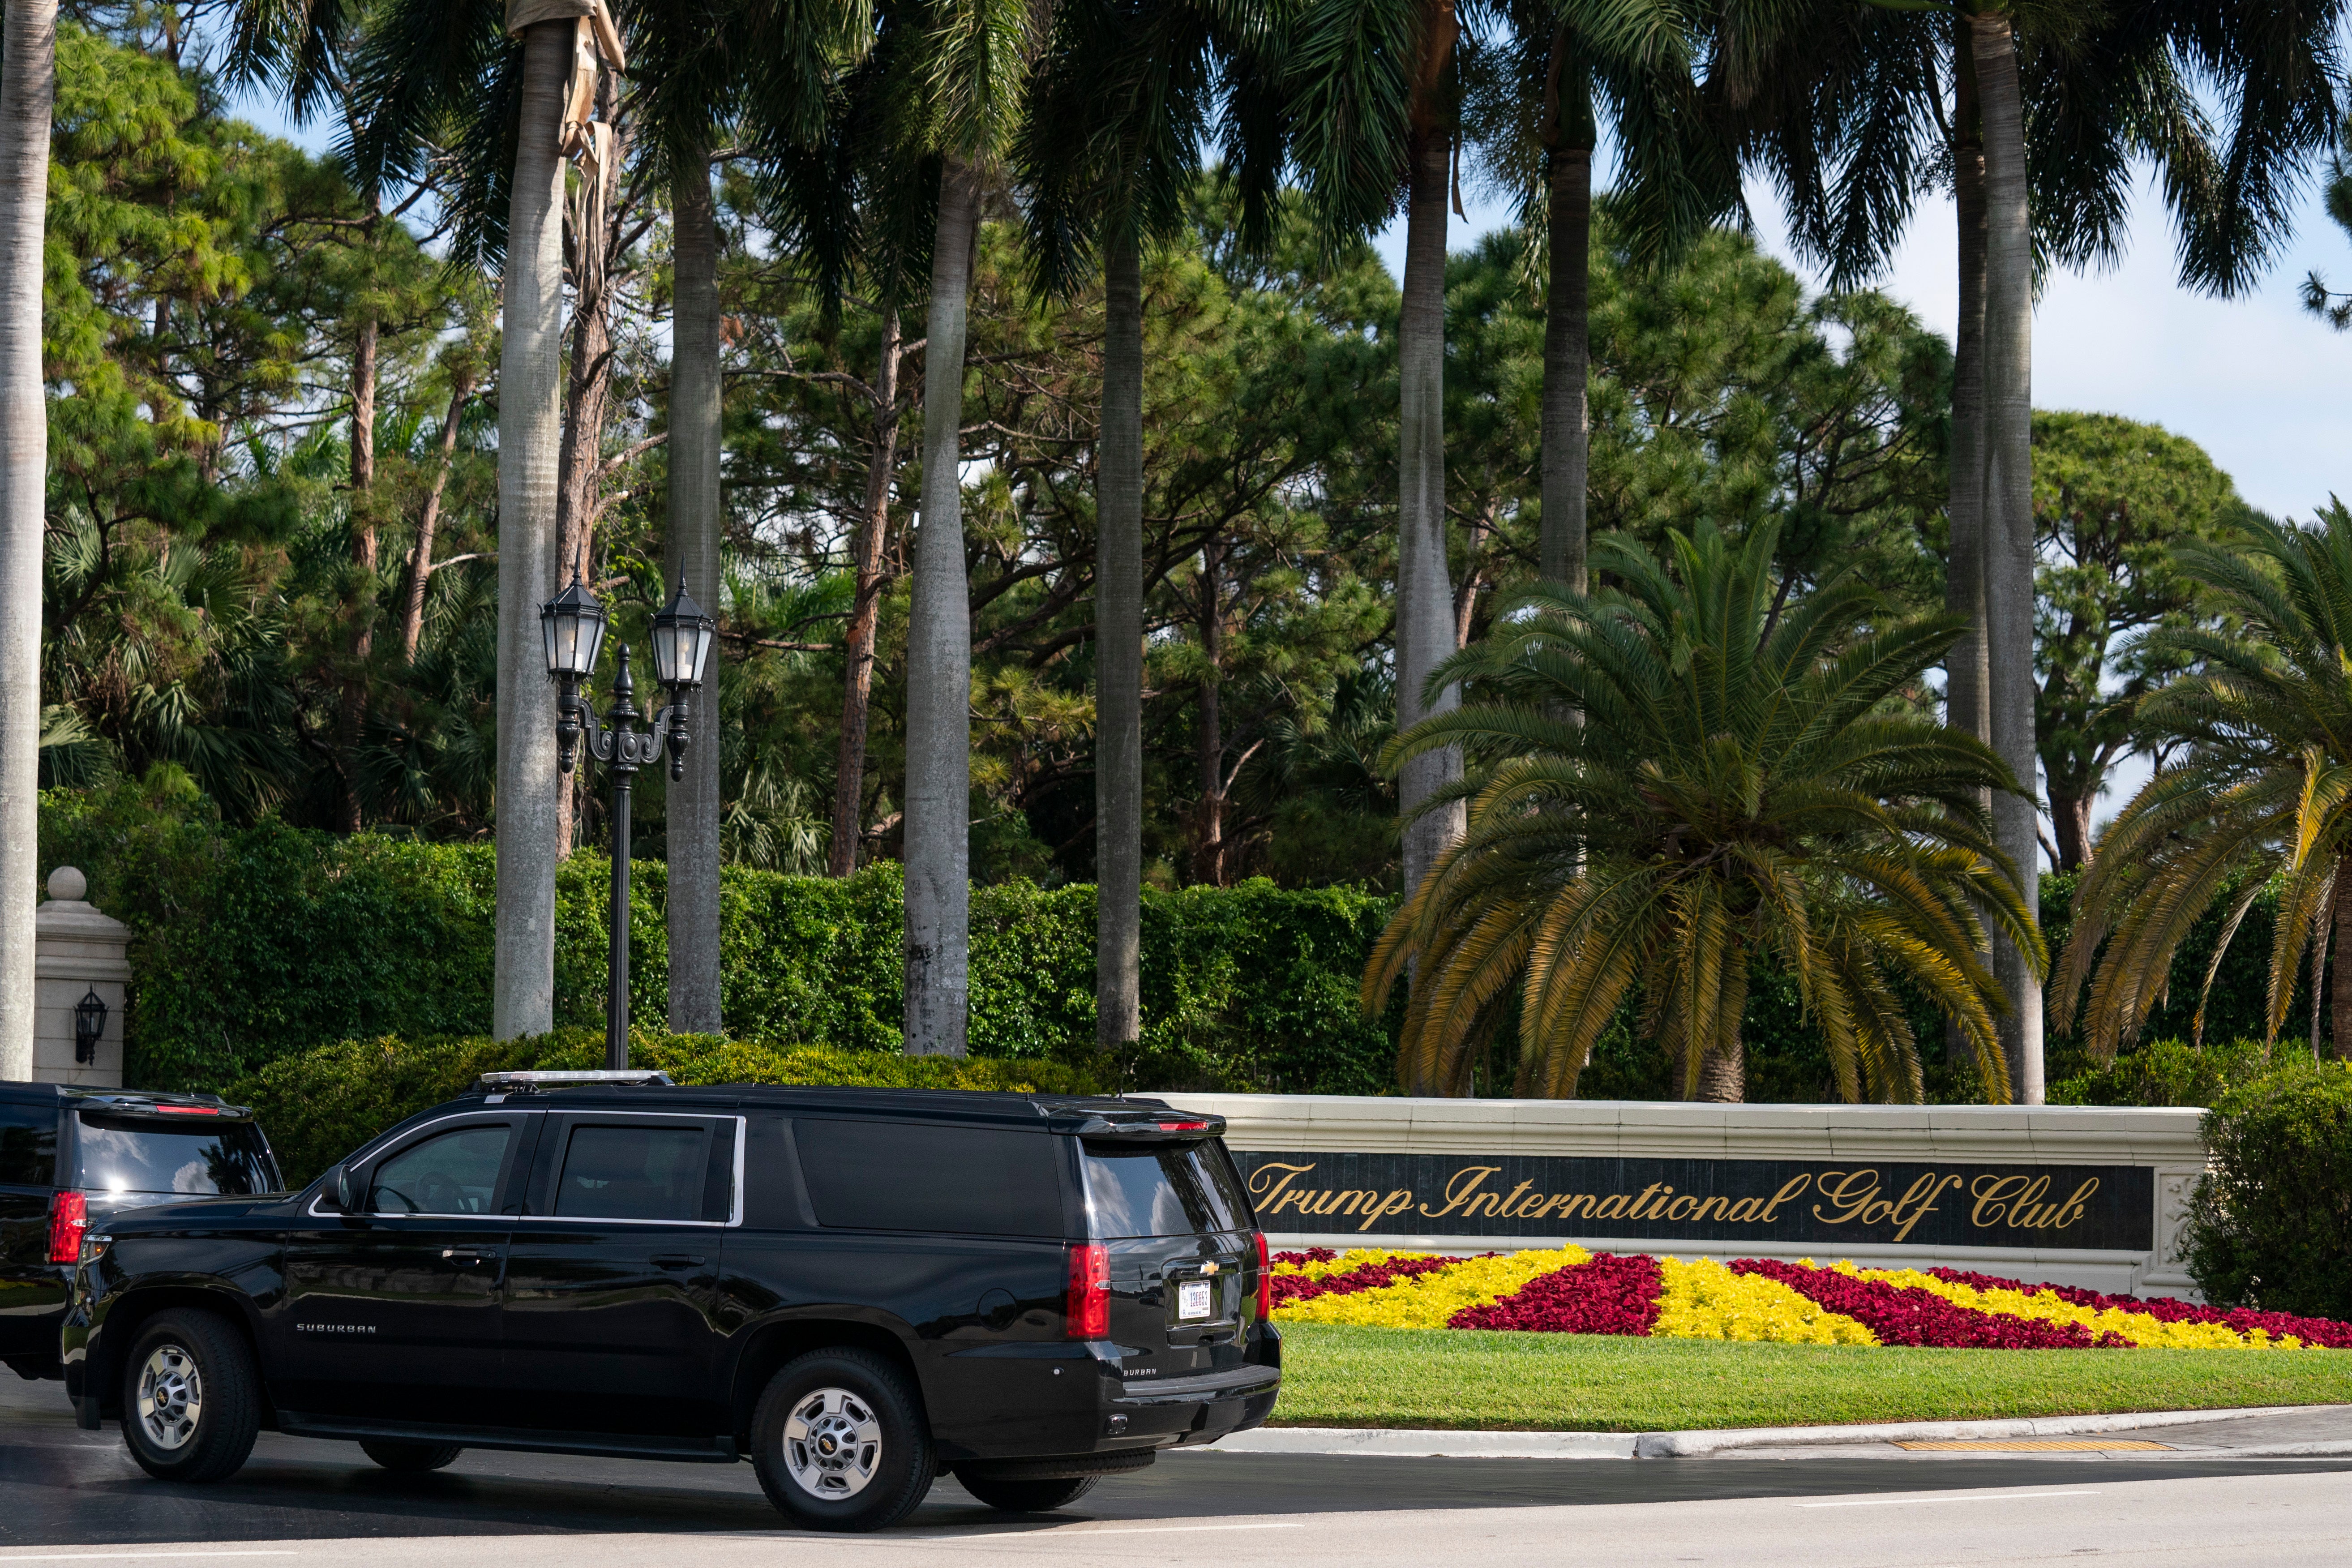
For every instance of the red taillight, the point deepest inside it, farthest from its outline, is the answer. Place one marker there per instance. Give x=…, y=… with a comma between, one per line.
x=184, y=1110
x=1265, y=1279
x=1088, y=1308
x=68, y=1217
x=1183, y=1126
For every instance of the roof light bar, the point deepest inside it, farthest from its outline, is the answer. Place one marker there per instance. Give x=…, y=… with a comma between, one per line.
x=533, y=1082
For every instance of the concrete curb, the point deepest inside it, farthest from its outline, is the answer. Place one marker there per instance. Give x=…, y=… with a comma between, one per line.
x=1698, y=1445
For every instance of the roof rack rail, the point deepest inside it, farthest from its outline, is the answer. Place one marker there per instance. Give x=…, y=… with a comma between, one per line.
x=534, y=1082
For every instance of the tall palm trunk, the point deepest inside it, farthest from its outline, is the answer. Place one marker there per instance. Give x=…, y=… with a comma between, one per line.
x=419, y=575
x=27, y=92
x=693, y=561
x=866, y=609
x=1967, y=695
x=1424, y=633
x=1118, y=654
x=2339, y=977
x=587, y=397
x=530, y=434
x=2008, y=512
x=353, y=714
x=1567, y=438
x=939, y=658
x=1208, y=862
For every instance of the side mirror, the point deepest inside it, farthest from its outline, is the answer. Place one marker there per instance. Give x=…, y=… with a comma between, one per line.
x=345, y=1187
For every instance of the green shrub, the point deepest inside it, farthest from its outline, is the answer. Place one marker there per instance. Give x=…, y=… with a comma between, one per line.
x=2271, y=1226
x=319, y=1106
x=2174, y=1072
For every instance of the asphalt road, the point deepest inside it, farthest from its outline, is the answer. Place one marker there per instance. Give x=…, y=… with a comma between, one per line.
x=66, y=1494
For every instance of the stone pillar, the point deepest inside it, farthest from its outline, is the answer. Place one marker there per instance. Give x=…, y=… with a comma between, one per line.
x=77, y=951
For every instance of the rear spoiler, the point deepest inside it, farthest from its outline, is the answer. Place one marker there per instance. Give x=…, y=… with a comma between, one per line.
x=208, y=1106
x=1162, y=1126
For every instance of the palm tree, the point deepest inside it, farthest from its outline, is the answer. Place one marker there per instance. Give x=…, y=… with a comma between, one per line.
x=1124, y=96
x=1746, y=782
x=1375, y=109
x=1567, y=68
x=959, y=94
x=441, y=75
x=2264, y=792
x=27, y=91
x=709, y=65
x=1843, y=105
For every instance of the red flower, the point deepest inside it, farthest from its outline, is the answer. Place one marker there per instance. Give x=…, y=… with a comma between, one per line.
x=2323, y=1331
x=1289, y=1287
x=1610, y=1295
x=1907, y=1315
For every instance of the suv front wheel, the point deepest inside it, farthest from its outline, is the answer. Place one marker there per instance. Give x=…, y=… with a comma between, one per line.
x=840, y=1442
x=191, y=1403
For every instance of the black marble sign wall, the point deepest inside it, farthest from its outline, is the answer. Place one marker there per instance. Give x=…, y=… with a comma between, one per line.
x=1786, y=1202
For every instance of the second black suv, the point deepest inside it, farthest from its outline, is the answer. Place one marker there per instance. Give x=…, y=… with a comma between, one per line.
x=70, y=1157
x=856, y=1289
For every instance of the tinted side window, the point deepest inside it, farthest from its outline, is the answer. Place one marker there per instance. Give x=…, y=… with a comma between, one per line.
x=902, y=1175
x=149, y=1154
x=28, y=1145
x=625, y=1171
x=1164, y=1189
x=450, y=1173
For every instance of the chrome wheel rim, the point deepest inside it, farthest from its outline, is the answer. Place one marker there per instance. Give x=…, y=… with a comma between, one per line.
x=833, y=1443
x=170, y=1396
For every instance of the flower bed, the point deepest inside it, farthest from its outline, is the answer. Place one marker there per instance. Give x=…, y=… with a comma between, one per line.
x=1568, y=1290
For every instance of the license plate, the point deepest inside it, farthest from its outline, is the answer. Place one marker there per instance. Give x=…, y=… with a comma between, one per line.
x=1192, y=1299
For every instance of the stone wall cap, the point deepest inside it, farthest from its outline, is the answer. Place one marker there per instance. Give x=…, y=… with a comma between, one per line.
x=72, y=917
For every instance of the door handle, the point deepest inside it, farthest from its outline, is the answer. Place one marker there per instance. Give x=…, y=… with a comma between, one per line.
x=465, y=1254
x=677, y=1260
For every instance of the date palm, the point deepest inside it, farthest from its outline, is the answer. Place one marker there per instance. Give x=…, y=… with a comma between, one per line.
x=27, y=95
x=1747, y=782
x=2264, y=792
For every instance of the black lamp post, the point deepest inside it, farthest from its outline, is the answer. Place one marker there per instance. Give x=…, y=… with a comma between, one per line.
x=572, y=626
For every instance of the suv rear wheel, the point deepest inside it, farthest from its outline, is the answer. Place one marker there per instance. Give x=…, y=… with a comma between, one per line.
x=410, y=1459
x=840, y=1442
x=191, y=1403
x=1027, y=1497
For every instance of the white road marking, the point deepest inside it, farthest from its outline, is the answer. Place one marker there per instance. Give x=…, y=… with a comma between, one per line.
x=134, y=1556
x=1950, y=1497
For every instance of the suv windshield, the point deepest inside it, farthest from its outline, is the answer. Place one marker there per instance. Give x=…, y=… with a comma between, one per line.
x=1163, y=1189
x=118, y=1153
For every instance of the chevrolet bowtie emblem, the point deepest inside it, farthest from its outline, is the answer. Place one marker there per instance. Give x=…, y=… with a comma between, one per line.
x=1208, y=1268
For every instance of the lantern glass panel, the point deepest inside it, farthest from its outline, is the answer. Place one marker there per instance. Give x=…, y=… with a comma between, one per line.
x=571, y=625
x=682, y=637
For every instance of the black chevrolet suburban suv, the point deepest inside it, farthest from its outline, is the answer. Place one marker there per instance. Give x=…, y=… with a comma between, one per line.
x=854, y=1289
x=73, y=1156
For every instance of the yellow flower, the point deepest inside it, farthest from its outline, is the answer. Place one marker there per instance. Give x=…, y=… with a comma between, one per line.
x=1429, y=1301
x=1705, y=1300
x=2140, y=1328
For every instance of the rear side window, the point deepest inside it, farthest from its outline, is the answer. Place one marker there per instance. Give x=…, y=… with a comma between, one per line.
x=449, y=1173
x=142, y=1154
x=28, y=1145
x=623, y=1172
x=1162, y=1189
x=912, y=1175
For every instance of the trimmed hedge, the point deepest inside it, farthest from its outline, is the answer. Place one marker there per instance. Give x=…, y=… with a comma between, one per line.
x=2173, y=1072
x=252, y=944
x=319, y=1105
x=2271, y=1226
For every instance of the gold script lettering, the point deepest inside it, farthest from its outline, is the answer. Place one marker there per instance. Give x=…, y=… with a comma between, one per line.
x=1266, y=1183
x=1458, y=1192
x=1789, y=1189
x=1853, y=1190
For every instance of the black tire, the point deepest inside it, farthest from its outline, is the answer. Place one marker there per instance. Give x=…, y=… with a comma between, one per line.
x=1027, y=1497
x=840, y=1442
x=410, y=1459
x=202, y=1401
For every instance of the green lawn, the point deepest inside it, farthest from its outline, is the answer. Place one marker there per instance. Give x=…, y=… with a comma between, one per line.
x=1337, y=1376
